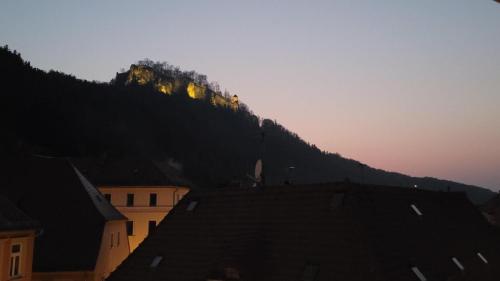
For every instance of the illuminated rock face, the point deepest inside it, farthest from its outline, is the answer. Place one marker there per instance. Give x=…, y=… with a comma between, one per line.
x=144, y=75
x=195, y=91
x=219, y=100
x=140, y=74
x=234, y=103
x=164, y=87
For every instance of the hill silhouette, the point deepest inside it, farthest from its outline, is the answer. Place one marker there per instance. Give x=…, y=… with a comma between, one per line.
x=216, y=144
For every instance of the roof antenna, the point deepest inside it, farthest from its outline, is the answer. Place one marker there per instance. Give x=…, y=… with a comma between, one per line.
x=288, y=181
x=258, y=179
x=258, y=173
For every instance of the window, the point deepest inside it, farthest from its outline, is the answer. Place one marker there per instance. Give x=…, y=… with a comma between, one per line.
x=310, y=272
x=130, y=228
x=417, y=211
x=482, y=257
x=108, y=197
x=337, y=200
x=232, y=273
x=112, y=238
x=15, y=261
x=192, y=205
x=418, y=273
x=151, y=226
x=152, y=199
x=156, y=261
x=130, y=199
x=457, y=263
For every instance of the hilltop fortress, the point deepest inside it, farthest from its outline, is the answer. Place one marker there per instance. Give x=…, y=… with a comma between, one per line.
x=168, y=80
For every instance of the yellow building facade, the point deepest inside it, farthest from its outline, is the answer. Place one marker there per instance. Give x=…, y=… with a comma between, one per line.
x=16, y=255
x=144, y=206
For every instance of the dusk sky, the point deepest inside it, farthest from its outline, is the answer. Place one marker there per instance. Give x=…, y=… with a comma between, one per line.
x=407, y=86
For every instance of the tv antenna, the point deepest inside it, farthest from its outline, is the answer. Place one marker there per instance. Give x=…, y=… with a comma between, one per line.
x=257, y=178
x=258, y=171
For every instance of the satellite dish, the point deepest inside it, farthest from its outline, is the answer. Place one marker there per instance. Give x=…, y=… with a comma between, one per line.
x=258, y=170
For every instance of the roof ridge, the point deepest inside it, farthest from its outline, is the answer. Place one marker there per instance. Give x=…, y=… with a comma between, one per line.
x=102, y=205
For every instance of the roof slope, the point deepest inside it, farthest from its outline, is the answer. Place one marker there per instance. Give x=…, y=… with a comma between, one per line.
x=11, y=218
x=66, y=205
x=491, y=209
x=318, y=232
x=102, y=205
x=130, y=171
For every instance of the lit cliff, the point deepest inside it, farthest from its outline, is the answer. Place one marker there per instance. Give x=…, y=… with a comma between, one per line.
x=168, y=80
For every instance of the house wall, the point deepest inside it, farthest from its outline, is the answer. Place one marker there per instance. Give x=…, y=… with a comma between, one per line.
x=114, y=249
x=112, y=252
x=141, y=212
x=26, y=240
x=64, y=276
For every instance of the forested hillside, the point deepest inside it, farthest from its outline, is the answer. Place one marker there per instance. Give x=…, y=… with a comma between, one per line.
x=58, y=114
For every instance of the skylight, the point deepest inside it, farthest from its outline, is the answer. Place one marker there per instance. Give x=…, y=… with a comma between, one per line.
x=310, y=272
x=156, y=261
x=418, y=273
x=417, y=211
x=192, y=205
x=337, y=200
x=457, y=263
x=482, y=257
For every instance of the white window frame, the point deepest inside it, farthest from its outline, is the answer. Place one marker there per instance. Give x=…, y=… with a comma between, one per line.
x=156, y=261
x=13, y=257
x=192, y=205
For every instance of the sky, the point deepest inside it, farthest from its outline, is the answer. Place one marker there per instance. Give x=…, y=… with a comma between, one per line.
x=406, y=86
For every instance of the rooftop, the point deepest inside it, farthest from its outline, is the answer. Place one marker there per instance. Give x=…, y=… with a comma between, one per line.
x=130, y=171
x=340, y=231
x=71, y=212
x=11, y=218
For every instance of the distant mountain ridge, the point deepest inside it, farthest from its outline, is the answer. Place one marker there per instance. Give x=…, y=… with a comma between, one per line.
x=217, y=144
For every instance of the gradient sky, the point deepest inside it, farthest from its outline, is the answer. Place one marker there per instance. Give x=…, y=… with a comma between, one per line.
x=407, y=86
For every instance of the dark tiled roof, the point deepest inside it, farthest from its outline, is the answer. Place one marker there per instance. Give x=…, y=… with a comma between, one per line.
x=492, y=210
x=130, y=171
x=71, y=212
x=11, y=218
x=319, y=232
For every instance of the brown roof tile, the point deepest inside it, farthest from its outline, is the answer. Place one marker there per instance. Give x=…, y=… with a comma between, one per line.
x=318, y=232
x=11, y=218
